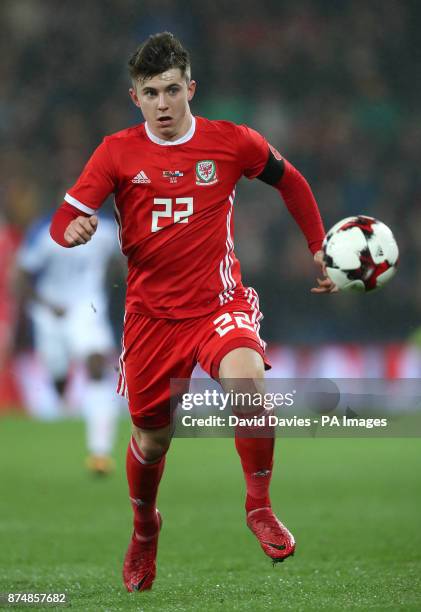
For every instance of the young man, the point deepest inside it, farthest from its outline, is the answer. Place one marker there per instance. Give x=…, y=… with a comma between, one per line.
x=174, y=180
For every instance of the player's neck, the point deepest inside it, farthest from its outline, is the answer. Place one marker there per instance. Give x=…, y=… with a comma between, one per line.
x=186, y=126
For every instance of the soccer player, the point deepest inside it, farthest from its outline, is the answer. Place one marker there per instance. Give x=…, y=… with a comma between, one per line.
x=174, y=179
x=67, y=301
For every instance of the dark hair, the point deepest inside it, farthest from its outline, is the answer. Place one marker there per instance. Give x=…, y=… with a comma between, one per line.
x=158, y=53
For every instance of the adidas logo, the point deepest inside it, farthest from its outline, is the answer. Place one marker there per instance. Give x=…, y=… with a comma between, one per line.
x=141, y=178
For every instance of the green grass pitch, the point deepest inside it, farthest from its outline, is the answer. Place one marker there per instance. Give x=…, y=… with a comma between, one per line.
x=354, y=506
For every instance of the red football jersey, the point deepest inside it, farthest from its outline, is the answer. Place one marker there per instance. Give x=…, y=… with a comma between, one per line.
x=174, y=207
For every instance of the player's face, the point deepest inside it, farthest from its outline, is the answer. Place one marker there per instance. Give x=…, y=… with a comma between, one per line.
x=164, y=102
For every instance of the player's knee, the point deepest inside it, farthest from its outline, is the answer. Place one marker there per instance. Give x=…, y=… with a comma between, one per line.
x=152, y=444
x=95, y=365
x=242, y=376
x=242, y=363
x=152, y=450
x=245, y=397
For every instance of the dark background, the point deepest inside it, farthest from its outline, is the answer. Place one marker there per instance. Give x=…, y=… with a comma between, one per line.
x=333, y=85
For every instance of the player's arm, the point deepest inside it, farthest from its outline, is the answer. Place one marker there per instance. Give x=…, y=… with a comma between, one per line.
x=301, y=203
x=70, y=227
x=75, y=222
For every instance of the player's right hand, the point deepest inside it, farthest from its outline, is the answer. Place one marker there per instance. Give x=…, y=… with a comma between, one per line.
x=81, y=230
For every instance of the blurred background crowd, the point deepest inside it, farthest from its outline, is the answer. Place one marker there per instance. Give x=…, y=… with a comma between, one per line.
x=333, y=85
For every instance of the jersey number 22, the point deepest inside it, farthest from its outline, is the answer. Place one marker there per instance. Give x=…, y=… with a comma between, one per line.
x=178, y=216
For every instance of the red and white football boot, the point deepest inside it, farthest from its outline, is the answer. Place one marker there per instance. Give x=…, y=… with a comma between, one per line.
x=139, y=568
x=274, y=538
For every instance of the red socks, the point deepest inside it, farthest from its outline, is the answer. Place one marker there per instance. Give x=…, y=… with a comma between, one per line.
x=143, y=478
x=256, y=456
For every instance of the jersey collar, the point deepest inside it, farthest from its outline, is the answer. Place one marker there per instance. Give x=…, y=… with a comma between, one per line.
x=165, y=143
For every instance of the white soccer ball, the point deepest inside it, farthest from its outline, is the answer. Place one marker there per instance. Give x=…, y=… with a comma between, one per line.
x=360, y=254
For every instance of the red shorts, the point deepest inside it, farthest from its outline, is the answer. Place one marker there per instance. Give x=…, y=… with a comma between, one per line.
x=158, y=350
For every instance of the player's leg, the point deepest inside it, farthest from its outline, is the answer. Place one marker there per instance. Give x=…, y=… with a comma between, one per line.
x=145, y=465
x=242, y=371
x=145, y=461
x=232, y=352
x=51, y=346
x=90, y=336
x=145, y=381
x=60, y=383
x=100, y=411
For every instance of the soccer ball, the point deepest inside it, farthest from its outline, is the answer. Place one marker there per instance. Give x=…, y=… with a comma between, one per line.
x=360, y=254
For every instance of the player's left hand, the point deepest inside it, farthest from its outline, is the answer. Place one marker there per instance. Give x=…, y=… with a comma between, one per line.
x=325, y=284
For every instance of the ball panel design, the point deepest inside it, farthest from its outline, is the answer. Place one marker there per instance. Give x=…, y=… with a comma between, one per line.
x=362, y=221
x=382, y=245
x=345, y=247
x=342, y=280
x=360, y=253
x=385, y=276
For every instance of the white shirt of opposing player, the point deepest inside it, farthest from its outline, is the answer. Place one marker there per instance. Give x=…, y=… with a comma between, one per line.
x=71, y=277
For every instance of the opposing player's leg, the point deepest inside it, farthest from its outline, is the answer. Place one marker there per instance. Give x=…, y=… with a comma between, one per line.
x=51, y=346
x=89, y=334
x=145, y=381
x=242, y=371
x=100, y=410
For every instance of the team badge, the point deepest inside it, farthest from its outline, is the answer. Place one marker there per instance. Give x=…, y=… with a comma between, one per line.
x=206, y=172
